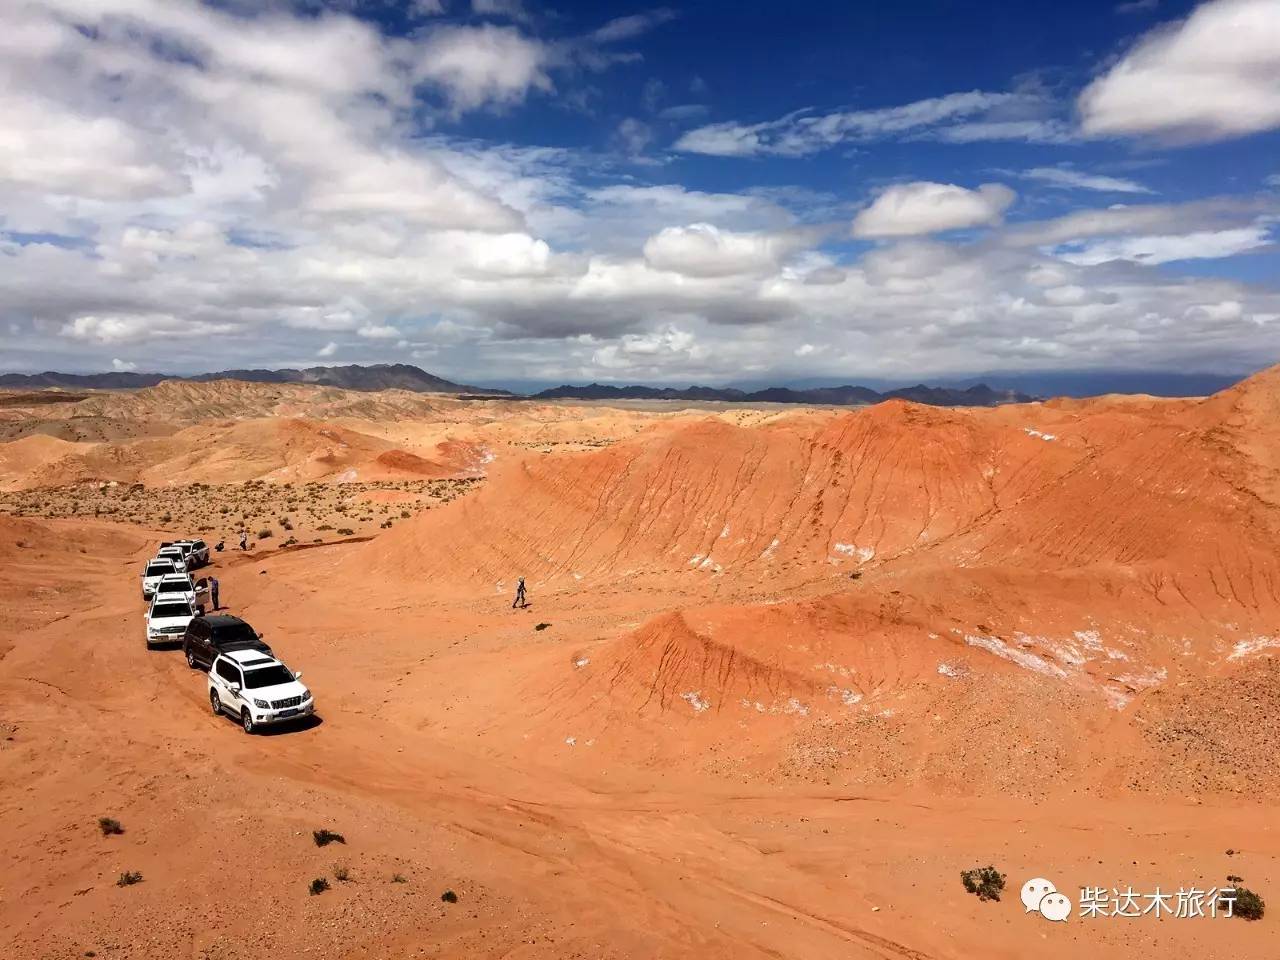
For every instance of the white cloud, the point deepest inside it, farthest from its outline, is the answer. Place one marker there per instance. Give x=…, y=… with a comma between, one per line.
x=429, y=8
x=1138, y=6
x=633, y=135
x=378, y=331
x=703, y=250
x=511, y=9
x=1214, y=75
x=802, y=133
x=482, y=66
x=1205, y=245
x=911, y=209
x=287, y=192
x=632, y=26
x=1070, y=179
x=122, y=366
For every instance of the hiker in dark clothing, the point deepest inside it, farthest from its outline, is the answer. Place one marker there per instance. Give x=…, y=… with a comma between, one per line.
x=213, y=592
x=219, y=546
x=520, y=600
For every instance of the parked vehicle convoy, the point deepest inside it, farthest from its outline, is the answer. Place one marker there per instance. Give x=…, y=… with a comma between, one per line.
x=257, y=689
x=208, y=636
x=167, y=619
x=153, y=572
x=245, y=679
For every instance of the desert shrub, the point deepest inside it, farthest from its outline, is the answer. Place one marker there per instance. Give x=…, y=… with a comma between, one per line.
x=325, y=526
x=341, y=872
x=110, y=827
x=345, y=531
x=318, y=886
x=399, y=878
x=325, y=837
x=1248, y=904
x=264, y=534
x=449, y=897
x=129, y=878
x=404, y=514
x=542, y=626
x=985, y=882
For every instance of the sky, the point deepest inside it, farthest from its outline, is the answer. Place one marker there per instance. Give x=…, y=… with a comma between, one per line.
x=505, y=191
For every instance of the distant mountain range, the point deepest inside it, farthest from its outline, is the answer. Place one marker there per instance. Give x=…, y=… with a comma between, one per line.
x=403, y=376
x=979, y=395
x=378, y=376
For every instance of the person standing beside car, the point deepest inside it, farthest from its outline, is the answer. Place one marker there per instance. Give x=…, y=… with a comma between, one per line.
x=213, y=593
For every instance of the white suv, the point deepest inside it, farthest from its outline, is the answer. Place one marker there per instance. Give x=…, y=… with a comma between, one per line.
x=257, y=689
x=168, y=618
x=174, y=554
x=179, y=586
x=151, y=574
x=195, y=551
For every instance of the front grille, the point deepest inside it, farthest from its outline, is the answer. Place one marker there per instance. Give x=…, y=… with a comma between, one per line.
x=286, y=702
x=173, y=629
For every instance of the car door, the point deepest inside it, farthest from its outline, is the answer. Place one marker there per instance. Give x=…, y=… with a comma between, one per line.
x=225, y=674
x=198, y=643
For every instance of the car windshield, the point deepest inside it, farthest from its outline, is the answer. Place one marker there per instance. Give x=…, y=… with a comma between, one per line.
x=236, y=633
x=161, y=610
x=159, y=569
x=267, y=677
x=173, y=586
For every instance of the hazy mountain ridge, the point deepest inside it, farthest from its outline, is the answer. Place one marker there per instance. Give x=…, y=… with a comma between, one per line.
x=379, y=376
x=979, y=395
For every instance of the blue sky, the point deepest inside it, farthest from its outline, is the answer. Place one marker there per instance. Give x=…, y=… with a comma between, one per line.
x=507, y=191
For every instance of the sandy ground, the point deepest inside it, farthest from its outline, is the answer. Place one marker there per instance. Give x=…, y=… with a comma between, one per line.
x=782, y=678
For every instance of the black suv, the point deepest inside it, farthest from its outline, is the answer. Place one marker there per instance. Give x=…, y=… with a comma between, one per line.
x=208, y=636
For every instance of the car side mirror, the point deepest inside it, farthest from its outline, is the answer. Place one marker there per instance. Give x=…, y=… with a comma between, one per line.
x=235, y=688
x=298, y=675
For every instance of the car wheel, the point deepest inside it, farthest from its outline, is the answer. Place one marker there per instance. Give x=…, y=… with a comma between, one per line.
x=215, y=703
x=191, y=660
x=246, y=720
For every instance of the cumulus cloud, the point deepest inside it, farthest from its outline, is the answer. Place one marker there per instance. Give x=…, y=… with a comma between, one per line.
x=911, y=209
x=286, y=189
x=122, y=366
x=482, y=66
x=703, y=250
x=1212, y=76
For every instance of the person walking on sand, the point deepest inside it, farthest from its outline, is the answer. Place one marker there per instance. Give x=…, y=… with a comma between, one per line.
x=244, y=539
x=213, y=593
x=520, y=600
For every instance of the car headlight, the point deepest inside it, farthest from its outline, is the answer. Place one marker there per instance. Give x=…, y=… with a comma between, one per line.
x=306, y=694
x=261, y=704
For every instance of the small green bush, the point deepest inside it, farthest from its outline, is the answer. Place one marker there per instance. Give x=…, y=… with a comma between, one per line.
x=1248, y=904
x=985, y=882
x=318, y=886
